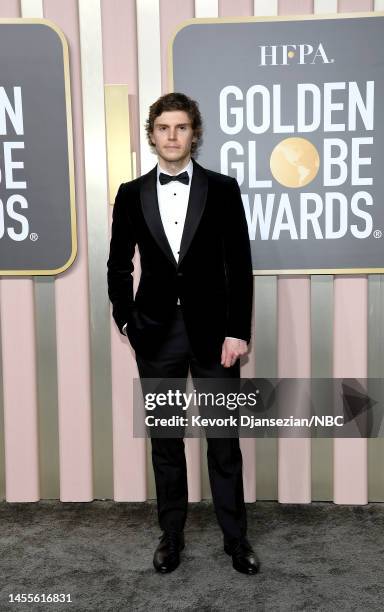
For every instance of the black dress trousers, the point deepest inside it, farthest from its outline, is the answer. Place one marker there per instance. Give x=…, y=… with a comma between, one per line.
x=173, y=359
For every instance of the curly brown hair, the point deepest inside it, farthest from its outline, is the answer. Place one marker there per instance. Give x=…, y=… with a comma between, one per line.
x=180, y=102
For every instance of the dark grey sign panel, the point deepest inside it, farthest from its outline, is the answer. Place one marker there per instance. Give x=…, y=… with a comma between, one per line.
x=37, y=207
x=293, y=110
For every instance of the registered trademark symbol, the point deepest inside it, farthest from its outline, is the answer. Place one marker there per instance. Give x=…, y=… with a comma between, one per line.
x=33, y=237
x=377, y=234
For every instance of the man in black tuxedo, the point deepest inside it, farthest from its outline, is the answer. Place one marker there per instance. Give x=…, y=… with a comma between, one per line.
x=192, y=309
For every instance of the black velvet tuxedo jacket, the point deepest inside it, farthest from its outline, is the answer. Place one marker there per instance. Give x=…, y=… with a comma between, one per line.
x=212, y=279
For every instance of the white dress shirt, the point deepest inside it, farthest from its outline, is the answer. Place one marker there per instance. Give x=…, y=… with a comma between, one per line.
x=173, y=203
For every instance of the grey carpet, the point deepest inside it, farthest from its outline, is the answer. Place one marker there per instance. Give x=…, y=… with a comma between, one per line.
x=314, y=557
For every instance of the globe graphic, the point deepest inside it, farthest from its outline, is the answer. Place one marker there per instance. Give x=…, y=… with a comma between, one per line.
x=294, y=162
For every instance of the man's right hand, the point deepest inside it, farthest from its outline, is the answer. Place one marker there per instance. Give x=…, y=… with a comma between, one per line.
x=232, y=349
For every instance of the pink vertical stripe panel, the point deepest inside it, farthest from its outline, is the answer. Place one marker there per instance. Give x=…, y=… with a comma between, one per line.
x=350, y=6
x=294, y=352
x=71, y=294
x=20, y=393
x=19, y=374
x=244, y=8
x=295, y=7
x=9, y=9
x=240, y=8
x=294, y=361
x=350, y=360
x=172, y=14
x=119, y=42
x=119, y=33
x=129, y=453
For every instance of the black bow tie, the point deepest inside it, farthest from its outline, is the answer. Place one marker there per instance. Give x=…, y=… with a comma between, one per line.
x=167, y=178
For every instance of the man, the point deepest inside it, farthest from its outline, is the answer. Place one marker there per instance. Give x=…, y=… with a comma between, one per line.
x=192, y=309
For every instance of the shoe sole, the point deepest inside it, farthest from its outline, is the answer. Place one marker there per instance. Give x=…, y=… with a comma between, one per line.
x=165, y=571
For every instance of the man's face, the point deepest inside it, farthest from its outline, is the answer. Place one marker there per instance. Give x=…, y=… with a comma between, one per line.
x=173, y=136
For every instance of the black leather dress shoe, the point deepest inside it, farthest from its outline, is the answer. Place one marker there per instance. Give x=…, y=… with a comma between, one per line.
x=167, y=554
x=244, y=558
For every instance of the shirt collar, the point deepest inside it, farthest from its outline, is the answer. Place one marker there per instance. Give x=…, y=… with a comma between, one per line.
x=188, y=168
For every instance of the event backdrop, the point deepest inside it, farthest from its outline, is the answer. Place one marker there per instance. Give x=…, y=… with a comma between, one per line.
x=66, y=372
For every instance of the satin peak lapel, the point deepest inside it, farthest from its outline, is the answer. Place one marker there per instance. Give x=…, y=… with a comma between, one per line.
x=196, y=205
x=151, y=212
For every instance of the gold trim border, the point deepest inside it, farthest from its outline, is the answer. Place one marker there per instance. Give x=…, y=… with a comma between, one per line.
x=71, y=171
x=118, y=137
x=255, y=19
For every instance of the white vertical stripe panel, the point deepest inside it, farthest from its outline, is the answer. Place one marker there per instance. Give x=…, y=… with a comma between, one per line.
x=95, y=162
x=32, y=8
x=325, y=6
x=149, y=61
x=379, y=5
x=262, y=8
x=93, y=105
x=206, y=8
